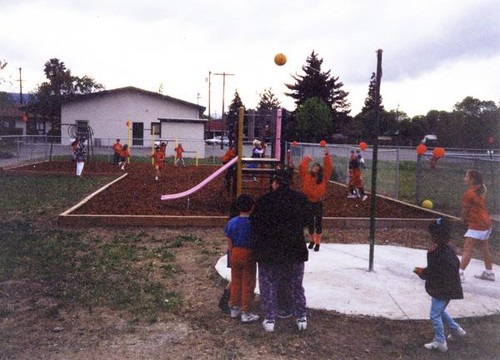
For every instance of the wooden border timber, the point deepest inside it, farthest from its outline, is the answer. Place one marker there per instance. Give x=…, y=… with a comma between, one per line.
x=87, y=220
x=91, y=220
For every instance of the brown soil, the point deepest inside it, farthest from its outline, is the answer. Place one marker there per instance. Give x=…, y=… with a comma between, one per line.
x=139, y=194
x=40, y=328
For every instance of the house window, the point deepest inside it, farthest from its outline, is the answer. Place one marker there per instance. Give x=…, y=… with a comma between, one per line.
x=156, y=129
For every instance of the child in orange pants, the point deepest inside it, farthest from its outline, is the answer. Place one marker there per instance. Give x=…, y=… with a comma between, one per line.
x=243, y=267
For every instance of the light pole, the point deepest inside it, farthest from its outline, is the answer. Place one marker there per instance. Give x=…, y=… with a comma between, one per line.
x=209, y=99
x=223, y=74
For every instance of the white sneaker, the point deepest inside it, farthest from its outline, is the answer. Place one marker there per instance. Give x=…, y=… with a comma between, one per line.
x=436, y=345
x=268, y=325
x=364, y=198
x=486, y=276
x=462, y=276
x=235, y=312
x=302, y=323
x=350, y=196
x=247, y=317
x=456, y=334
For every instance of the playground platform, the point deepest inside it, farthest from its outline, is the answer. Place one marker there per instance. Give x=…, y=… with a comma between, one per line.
x=337, y=278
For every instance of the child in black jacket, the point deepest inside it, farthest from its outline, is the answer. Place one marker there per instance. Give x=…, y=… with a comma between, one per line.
x=442, y=283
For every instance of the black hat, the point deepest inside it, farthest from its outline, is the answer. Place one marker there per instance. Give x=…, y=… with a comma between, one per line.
x=283, y=176
x=440, y=229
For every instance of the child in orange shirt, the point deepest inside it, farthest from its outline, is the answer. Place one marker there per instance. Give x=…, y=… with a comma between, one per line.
x=314, y=187
x=477, y=218
x=230, y=173
x=356, y=183
x=158, y=159
x=117, y=147
x=178, y=155
x=124, y=155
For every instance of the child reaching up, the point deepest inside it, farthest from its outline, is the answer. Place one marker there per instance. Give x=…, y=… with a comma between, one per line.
x=179, y=155
x=243, y=267
x=442, y=283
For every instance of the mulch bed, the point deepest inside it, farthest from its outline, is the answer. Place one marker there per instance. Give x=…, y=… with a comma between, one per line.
x=139, y=193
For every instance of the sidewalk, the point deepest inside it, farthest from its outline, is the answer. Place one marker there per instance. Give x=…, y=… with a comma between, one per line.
x=337, y=278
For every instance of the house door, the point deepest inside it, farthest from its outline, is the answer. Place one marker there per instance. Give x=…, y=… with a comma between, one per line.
x=138, y=133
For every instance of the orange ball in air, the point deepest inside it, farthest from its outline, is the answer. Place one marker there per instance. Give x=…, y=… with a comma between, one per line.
x=438, y=152
x=421, y=149
x=363, y=146
x=322, y=143
x=280, y=59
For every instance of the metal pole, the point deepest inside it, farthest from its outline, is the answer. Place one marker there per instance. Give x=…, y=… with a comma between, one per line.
x=209, y=100
x=373, y=204
x=240, y=150
x=224, y=74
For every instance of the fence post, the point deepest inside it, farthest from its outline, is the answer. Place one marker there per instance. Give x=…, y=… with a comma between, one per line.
x=418, y=180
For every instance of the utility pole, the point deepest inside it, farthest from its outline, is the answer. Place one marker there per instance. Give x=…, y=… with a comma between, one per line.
x=20, y=86
x=223, y=74
x=209, y=100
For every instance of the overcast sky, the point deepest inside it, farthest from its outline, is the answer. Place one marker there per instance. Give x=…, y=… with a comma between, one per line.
x=435, y=52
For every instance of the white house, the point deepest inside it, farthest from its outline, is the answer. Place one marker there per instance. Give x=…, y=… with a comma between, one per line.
x=135, y=116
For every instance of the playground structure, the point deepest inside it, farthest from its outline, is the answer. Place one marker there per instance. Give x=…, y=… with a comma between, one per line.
x=70, y=218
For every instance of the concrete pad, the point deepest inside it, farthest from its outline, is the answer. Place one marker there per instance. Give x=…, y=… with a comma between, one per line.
x=337, y=278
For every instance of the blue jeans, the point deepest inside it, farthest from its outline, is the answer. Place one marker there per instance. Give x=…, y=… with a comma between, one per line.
x=438, y=316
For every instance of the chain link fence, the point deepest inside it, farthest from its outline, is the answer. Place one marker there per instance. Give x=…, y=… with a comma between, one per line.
x=401, y=173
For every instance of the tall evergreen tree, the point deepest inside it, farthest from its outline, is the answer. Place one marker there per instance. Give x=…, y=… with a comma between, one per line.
x=321, y=85
x=268, y=101
x=366, y=118
x=232, y=116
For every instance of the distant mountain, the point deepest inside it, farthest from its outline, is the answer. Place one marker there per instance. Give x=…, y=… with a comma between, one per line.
x=13, y=97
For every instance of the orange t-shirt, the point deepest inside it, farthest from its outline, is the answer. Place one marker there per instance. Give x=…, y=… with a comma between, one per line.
x=124, y=154
x=158, y=158
x=310, y=188
x=117, y=147
x=474, y=211
x=230, y=153
x=179, y=150
x=355, y=178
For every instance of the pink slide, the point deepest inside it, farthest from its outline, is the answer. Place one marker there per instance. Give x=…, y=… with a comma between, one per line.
x=202, y=184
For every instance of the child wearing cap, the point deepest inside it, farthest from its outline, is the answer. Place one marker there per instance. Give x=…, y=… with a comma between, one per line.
x=442, y=283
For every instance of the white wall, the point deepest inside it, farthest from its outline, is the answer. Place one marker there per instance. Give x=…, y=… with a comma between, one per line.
x=108, y=115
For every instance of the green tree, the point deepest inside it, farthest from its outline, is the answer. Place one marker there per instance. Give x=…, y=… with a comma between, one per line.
x=232, y=116
x=268, y=101
x=366, y=118
x=61, y=85
x=313, y=119
x=480, y=120
x=3, y=64
x=321, y=85
x=411, y=131
x=265, y=115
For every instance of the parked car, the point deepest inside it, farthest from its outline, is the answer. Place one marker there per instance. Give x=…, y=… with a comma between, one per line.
x=217, y=140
